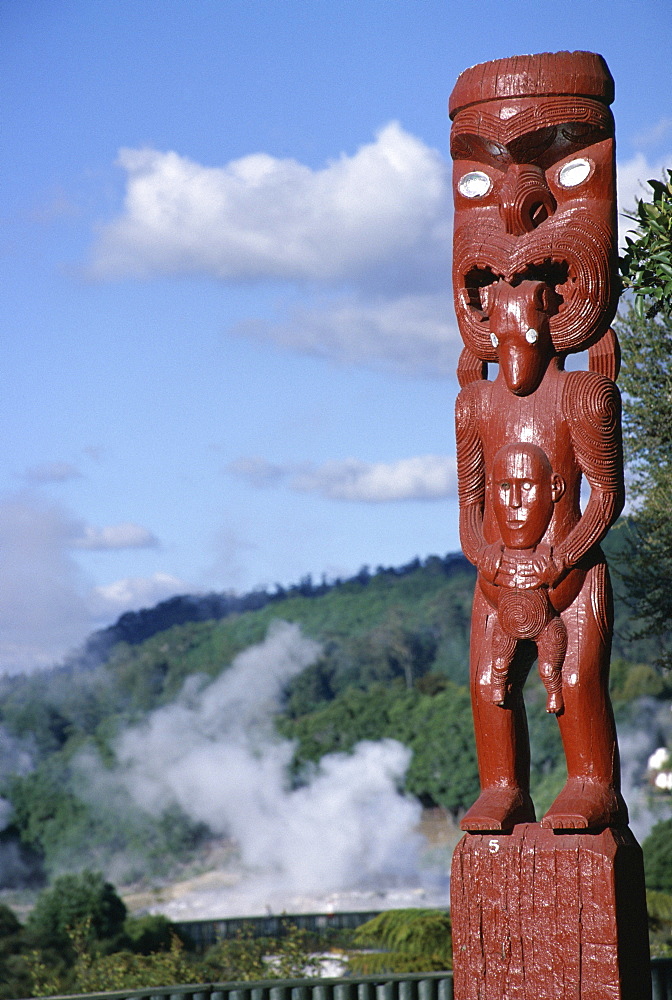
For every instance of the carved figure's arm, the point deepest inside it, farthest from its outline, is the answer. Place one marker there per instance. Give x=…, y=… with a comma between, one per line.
x=471, y=486
x=592, y=406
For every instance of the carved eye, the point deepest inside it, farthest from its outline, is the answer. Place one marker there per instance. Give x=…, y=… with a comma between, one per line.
x=494, y=340
x=575, y=172
x=531, y=335
x=475, y=184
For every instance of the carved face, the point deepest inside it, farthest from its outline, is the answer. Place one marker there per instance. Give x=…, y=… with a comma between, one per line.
x=535, y=200
x=524, y=489
x=522, y=341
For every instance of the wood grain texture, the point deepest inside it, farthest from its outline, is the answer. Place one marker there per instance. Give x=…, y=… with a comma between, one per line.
x=544, y=916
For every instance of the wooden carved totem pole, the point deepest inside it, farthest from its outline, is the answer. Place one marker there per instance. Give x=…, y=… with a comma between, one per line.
x=554, y=909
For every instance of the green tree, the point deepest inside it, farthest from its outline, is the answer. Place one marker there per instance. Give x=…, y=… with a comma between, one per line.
x=647, y=261
x=645, y=332
x=15, y=978
x=93, y=972
x=439, y=730
x=413, y=941
x=657, y=848
x=646, y=380
x=72, y=902
x=149, y=933
x=659, y=907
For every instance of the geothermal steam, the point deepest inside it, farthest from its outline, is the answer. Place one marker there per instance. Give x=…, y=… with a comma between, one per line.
x=214, y=752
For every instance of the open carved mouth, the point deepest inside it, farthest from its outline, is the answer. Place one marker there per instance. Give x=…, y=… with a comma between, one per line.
x=553, y=273
x=575, y=259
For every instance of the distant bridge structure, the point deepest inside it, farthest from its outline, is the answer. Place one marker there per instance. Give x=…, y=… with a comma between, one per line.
x=202, y=934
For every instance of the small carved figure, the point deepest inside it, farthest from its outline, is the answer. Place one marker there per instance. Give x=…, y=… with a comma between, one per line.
x=535, y=278
x=524, y=489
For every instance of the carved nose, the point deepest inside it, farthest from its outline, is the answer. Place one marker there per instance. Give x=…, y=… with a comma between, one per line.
x=525, y=201
x=514, y=496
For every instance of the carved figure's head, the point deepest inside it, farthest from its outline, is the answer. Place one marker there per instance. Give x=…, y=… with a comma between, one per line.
x=524, y=490
x=534, y=185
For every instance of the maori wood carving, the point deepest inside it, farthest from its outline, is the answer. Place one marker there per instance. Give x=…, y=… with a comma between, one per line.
x=534, y=277
x=554, y=909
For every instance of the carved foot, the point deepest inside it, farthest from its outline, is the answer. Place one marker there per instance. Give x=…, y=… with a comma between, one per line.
x=498, y=809
x=586, y=805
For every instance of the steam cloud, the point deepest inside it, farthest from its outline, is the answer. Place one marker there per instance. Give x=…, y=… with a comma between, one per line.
x=215, y=753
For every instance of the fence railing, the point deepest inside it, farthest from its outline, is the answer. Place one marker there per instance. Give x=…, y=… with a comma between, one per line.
x=409, y=986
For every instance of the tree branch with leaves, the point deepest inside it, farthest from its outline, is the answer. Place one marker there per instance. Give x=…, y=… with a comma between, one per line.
x=645, y=332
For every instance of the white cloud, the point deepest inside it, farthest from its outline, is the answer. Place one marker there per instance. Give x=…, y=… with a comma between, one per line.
x=410, y=334
x=260, y=217
x=47, y=605
x=423, y=477
x=133, y=593
x=52, y=472
x=631, y=178
x=116, y=536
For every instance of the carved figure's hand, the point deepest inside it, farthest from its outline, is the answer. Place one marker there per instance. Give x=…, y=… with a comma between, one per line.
x=489, y=561
x=528, y=572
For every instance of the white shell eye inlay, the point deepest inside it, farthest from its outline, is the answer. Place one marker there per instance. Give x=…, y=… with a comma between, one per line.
x=531, y=335
x=575, y=172
x=475, y=184
x=493, y=338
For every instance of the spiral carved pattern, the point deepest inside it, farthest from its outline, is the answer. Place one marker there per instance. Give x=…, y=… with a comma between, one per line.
x=592, y=406
x=523, y=614
x=554, y=647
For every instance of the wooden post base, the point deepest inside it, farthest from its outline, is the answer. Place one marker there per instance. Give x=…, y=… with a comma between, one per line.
x=539, y=915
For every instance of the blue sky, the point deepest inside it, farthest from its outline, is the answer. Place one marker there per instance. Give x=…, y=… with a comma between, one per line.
x=229, y=344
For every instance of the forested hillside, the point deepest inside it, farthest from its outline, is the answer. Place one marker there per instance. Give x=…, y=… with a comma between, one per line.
x=393, y=663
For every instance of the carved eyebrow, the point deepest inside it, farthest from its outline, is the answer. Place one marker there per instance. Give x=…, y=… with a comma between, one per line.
x=559, y=111
x=560, y=121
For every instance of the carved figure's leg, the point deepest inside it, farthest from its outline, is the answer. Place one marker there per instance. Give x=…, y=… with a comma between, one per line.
x=502, y=742
x=552, y=647
x=503, y=652
x=591, y=798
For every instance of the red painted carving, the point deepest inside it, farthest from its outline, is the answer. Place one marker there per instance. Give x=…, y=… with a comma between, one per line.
x=524, y=489
x=534, y=274
x=555, y=909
